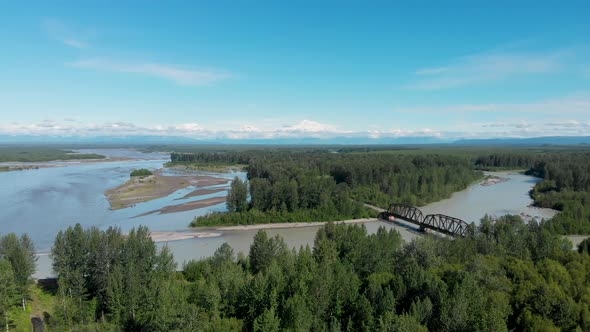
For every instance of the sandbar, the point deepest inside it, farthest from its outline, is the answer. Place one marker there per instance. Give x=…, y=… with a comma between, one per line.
x=201, y=192
x=491, y=180
x=186, y=206
x=178, y=236
x=407, y=233
x=143, y=189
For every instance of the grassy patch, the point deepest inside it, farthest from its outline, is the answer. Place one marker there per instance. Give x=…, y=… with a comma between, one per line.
x=41, y=302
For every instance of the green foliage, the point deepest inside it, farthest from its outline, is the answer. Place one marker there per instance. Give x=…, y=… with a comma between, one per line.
x=105, y=275
x=141, y=172
x=311, y=185
x=255, y=216
x=508, y=276
x=20, y=253
x=37, y=154
x=264, y=250
x=8, y=291
x=237, y=196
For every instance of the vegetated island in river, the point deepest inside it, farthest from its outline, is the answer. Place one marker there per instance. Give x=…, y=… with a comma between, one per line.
x=146, y=188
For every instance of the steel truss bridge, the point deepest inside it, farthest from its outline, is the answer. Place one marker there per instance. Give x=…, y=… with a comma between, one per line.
x=437, y=222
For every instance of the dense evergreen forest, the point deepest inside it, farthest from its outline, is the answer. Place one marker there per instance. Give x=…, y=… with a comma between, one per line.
x=508, y=276
x=308, y=185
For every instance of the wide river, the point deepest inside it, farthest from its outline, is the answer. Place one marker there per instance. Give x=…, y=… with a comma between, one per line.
x=44, y=201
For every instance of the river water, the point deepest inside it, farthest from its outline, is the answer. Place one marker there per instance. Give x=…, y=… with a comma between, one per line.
x=44, y=201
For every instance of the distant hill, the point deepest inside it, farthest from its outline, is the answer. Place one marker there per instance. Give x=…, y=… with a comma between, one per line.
x=179, y=140
x=342, y=140
x=547, y=140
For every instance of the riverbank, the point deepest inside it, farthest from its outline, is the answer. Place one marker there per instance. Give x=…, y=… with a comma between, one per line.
x=288, y=225
x=407, y=231
x=143, y=189
x=179, y=236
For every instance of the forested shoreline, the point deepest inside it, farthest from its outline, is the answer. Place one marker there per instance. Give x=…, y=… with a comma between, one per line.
x=566, y=185
x=281, y=180
x=308, y=185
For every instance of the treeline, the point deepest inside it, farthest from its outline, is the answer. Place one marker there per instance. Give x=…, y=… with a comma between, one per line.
x=306, y=185
x=211, y=157
x=566, y=185
x=112, y=280
x=507, y=160
x=508, y=276
x=17, y=266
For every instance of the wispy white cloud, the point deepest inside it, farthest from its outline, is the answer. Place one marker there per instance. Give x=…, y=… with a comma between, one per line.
x=569, y=124
x=70, y=37
x=308, y=126
x=574, y=104
x=507, y=125
x=486, y=67
x=300, y=129
x=177, y=74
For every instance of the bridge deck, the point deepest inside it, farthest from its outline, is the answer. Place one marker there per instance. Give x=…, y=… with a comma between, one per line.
x=437, y=222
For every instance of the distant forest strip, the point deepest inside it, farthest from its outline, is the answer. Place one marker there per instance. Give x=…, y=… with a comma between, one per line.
x=39, y=153
x=314, y=185
x=509, y=276
x=207, y=166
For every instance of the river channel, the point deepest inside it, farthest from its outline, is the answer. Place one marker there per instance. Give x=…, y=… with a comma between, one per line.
x=41, y=202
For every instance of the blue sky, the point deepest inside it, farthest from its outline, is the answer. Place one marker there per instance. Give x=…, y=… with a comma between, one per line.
x=253, y=69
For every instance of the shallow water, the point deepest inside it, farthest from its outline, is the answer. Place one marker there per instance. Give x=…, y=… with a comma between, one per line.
x=509, y=197
x=44, y=201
